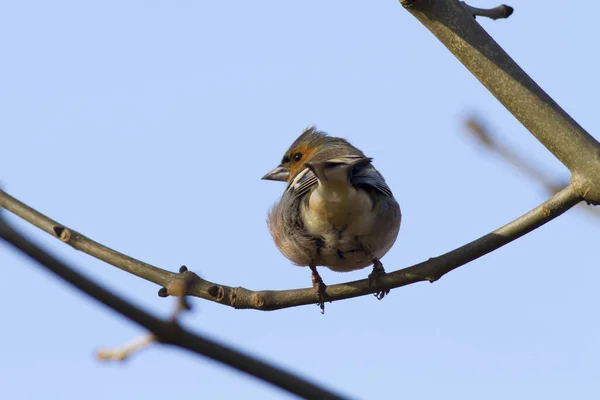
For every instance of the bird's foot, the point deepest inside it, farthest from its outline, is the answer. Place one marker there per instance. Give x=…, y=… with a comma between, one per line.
x=377, y=272
x=320, y=288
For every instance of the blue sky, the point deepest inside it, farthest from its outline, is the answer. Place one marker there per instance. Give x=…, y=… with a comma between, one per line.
x=147, y=125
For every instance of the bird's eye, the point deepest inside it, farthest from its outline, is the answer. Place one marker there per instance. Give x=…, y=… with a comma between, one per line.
x=297, y=156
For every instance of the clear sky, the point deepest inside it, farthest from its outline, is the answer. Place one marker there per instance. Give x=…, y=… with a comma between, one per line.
x=147, y=125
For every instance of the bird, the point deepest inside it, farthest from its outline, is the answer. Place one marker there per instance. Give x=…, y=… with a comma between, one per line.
x=337, y=210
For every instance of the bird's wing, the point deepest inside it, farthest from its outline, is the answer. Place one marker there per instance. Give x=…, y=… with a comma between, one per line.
x=302, y=183
x=368, y=175
x=360, y=169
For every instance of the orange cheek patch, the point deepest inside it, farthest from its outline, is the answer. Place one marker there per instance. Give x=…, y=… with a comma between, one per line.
x=298, y=166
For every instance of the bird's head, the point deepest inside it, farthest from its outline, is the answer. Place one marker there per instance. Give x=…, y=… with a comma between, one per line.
x=311, y=145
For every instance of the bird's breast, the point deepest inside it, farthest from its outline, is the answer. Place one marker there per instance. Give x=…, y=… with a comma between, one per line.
x=343, y=209
x=339, y=220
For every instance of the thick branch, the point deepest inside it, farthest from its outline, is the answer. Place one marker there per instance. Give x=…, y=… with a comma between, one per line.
x=167, y=332
x=455, y=27
x=430, y=270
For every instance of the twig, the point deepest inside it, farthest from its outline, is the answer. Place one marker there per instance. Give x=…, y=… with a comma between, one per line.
x=500, y=12
x=454, y=26
x=431, y=270
x=485, y=137
x=123, y=352
x=166, y=332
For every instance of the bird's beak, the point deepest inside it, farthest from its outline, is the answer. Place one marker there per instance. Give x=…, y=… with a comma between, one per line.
x=278, y=174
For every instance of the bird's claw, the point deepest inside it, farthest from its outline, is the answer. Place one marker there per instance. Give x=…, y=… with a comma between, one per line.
x=373, y=276
x=320, y=287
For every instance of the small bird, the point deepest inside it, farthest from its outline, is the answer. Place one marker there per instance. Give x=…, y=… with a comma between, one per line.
x=337, y=210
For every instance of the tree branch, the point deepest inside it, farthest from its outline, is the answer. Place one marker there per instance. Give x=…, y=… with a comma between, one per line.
x=167, y=332
x=455, y=27
x=239, y=297
x=528, y=168
x=80, y=242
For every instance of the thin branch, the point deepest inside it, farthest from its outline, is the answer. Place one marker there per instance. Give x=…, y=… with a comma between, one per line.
x=135, y=346
x=500, y=12
x=124, y=352
x=485, y=137
x=430, y=270
x=167, y=332
x=455, y=27
x=80, y=242
x=488, y=141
